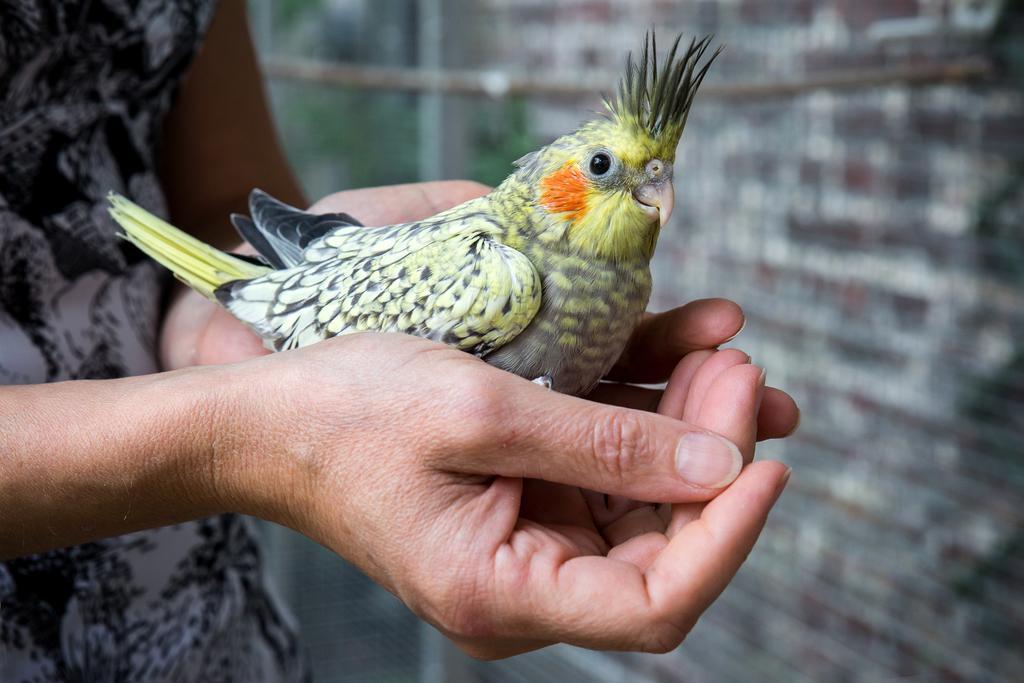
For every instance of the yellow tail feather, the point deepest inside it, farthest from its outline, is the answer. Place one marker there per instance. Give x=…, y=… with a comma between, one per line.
x=198, y=265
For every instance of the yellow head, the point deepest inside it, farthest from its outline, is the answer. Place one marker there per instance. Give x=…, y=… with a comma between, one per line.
x=610, y=182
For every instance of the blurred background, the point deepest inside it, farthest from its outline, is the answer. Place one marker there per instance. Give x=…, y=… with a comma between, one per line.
x=853, y=175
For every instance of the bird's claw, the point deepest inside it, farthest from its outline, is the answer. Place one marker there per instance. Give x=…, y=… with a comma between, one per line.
x=544, y=381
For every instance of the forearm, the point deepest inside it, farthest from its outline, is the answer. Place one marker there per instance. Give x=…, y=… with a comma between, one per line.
x=89, y=459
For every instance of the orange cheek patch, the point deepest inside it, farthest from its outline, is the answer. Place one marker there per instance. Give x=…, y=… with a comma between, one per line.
x=565, y=191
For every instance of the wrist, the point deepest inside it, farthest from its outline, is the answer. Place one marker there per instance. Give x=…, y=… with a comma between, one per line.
x=254, y=463
x=179, y=413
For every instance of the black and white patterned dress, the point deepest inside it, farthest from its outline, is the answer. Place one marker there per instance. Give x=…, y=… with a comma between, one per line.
x=84, y=86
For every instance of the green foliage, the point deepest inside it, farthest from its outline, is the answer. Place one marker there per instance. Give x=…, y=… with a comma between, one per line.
x=997, y=222
x=286, y=13
x=500, y=134
x=998, y=214
x=998, y=228
x=338, y=139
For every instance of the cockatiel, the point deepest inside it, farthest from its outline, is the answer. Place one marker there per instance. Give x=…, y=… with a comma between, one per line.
x=546, y=277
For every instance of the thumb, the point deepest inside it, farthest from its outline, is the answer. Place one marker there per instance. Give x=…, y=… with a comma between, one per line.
x=545, y=435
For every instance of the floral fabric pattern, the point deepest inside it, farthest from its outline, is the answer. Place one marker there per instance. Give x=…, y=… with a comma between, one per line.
x=84, y=88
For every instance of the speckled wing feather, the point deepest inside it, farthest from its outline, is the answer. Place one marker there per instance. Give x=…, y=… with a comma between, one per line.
x=445, y=279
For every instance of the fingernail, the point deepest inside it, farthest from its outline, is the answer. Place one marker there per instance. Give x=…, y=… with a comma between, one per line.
x=737, y=331
x=782, y=482
x=796, y=425
x=708, y=460
x=760, y=390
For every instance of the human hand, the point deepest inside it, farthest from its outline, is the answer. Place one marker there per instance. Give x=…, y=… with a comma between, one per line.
x=409, y=459
x=693, y=332
x=652, y=354
x=681, y=341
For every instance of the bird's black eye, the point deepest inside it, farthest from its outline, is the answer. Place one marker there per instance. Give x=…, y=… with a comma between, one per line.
x=600, y=163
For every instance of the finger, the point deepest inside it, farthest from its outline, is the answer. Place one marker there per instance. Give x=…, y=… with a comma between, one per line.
x=662, y=339
x=665, y=512
x=619, y=519
x=183, y=324
x=683, y=514
x=226, y=340
x=608, y=603
x=779, y=415
x=731, y=404
x=398, y=203
x=640, y=550
x=704, y=556
x=626, y=396
x=644, y=520
x=705, y=376
x=536, y=433
x=605, y=509
x=673, y=401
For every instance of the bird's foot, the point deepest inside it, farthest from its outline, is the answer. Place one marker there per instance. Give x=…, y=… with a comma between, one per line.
x=545, y=381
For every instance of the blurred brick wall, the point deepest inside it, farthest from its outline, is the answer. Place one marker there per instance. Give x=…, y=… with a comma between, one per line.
x=873, y=237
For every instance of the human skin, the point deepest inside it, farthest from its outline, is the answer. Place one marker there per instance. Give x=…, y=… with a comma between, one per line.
x=458, y=487
x=510, y=555
x=451, y=483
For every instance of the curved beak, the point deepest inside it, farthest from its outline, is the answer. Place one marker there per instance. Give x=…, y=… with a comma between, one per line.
x=659, y=196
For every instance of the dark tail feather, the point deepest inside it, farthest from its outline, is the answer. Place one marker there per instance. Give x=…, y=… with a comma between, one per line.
x=280, y=233
x=251, y=234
